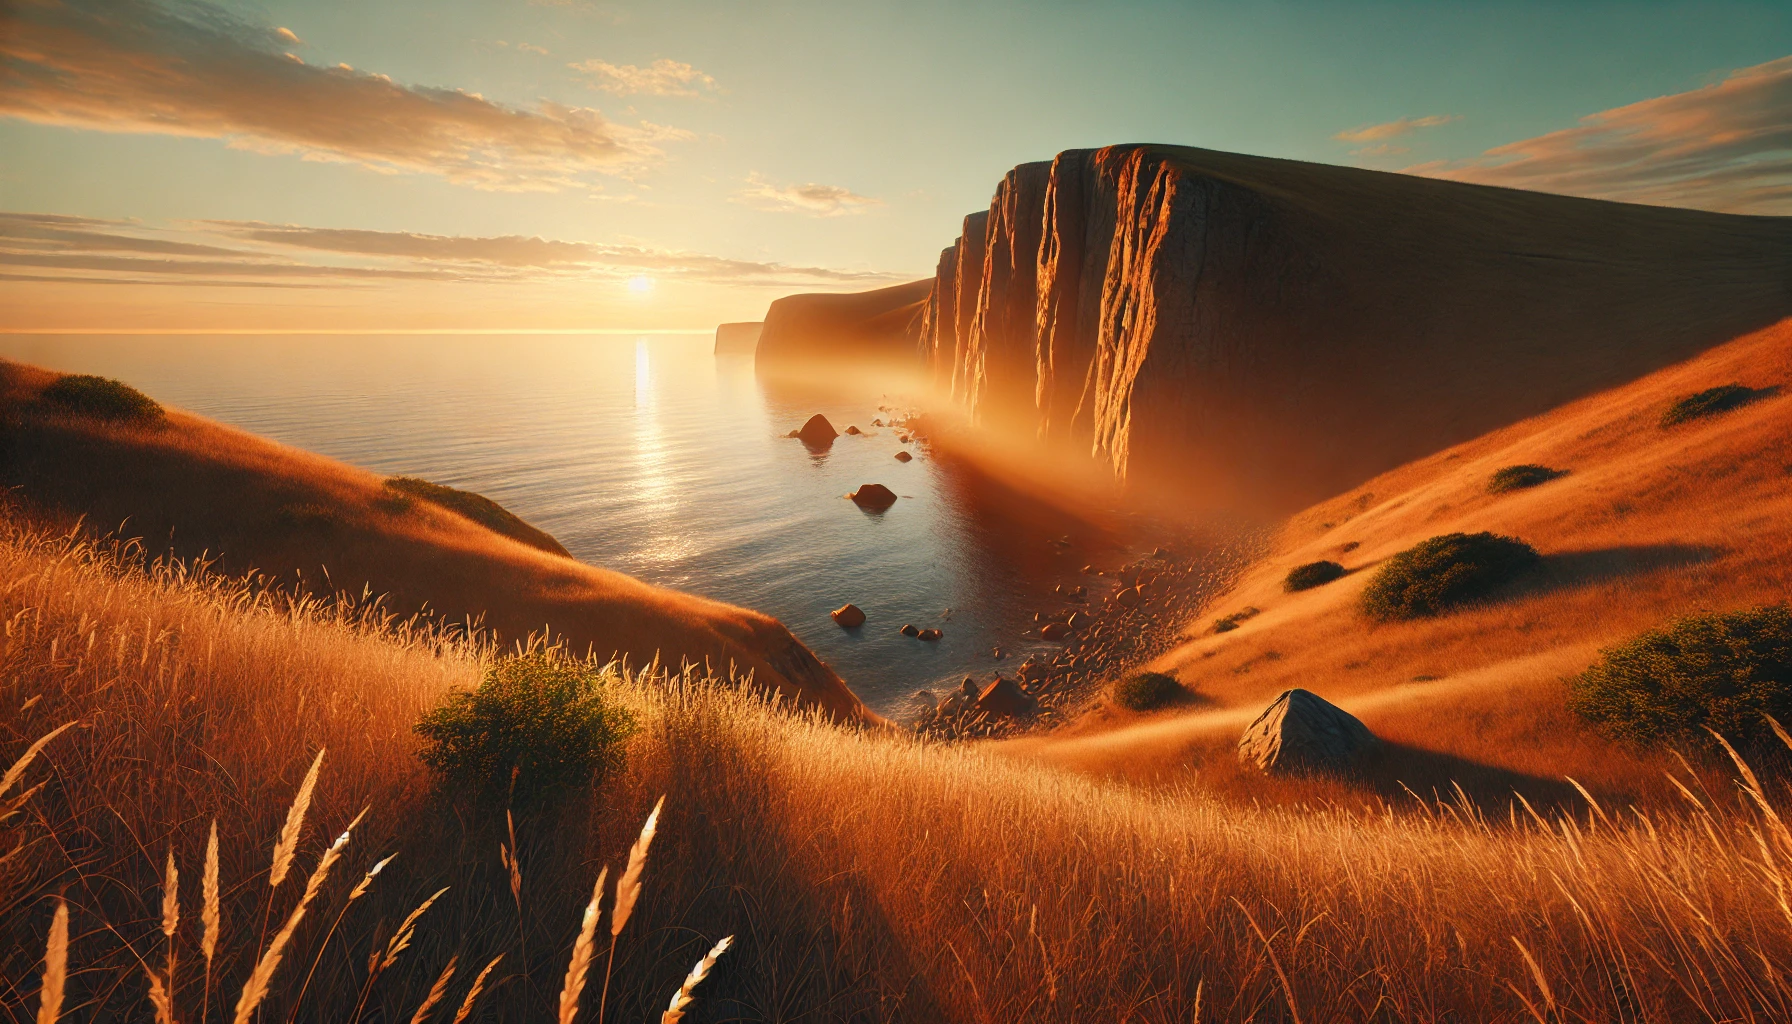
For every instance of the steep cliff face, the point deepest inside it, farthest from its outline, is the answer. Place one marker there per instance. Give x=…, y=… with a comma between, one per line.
x=1268, y=331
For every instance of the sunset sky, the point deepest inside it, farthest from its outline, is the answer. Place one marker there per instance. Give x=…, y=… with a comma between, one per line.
x=403, y=164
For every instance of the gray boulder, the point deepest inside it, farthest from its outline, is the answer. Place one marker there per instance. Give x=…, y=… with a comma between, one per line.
x=1303, y=732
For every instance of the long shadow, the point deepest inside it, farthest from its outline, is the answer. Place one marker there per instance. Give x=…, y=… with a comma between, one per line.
x=1398, y=772
x=1570, y=569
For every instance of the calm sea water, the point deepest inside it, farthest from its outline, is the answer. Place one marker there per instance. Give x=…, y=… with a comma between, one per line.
x=656, y=458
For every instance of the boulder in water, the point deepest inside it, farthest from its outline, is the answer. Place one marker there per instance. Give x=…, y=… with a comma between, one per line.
x=850, y=429
x=1302, y=733
x=903, y=456
x=873, y=496
x=818, y=432
x=909, y=629
x=849, y=615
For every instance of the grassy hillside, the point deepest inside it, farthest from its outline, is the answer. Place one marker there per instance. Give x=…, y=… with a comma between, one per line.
x=1640, y=519
x=865, y=877
x=186, y=484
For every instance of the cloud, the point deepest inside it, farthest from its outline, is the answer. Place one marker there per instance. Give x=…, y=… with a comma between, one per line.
x=661, y=78
x=1393, y=129
x=199, y=71
x=1725, y=146
x=251, y=252
x=532, y=48
x=818, y=200
x=288, y=35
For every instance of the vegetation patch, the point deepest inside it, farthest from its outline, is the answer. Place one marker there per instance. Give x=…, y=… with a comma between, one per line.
x=1712, y=401
x=1148, y=691
x=1313, y=574
x=1723, y=671
x=536, y=717
x=307, y=516
x=479, y=508
x=101, y=398
x=1230, y=622
x=1518, y=478
x=1444, y=572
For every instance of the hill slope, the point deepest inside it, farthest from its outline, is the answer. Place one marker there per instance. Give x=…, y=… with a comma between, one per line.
x=1648, y=524
x=199, y=487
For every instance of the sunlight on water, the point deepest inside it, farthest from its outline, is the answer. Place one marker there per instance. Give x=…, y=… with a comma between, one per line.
x=650, y=456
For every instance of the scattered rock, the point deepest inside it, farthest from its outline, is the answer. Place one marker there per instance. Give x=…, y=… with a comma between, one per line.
x=1303, y=732
x=1031, y=671
x=1004, y=698
x=926, y=699
x=877, y=423
x=794, y=433
x=929, y=634
x=969, y=687
x=850, y=429
x=998, y=653
x=849, y=616
x=903, y=456
x=1054, y=631
x=873, y=496
x=818, y=431
x=1128, y=598
x=909, y=629
x=1089, y=570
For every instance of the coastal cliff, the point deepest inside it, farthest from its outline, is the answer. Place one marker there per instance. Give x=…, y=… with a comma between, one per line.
x=1266, y=331
x=878, y=325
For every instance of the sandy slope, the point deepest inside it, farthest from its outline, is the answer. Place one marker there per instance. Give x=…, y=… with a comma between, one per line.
x=204, y=487
x=1649, y=523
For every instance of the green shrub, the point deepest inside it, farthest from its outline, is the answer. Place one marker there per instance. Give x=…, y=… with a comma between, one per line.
x=1723, y=670
x=1710, y=402
x=477, y=507
x=1517, y=478
x=101, y=398
x=1443, y=572
x=1313, y=574
x=543, y=717
x=1148, y=691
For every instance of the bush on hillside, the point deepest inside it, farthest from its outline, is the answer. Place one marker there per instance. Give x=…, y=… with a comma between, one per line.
x=545, y=719
x=1148, y=691
x=1517, y=478
x=1710, y=402
x=477, y=507
x=1724, y=671
x=1313, y=574
x=101, y=398
x=1444, y=572
x=1230, y=622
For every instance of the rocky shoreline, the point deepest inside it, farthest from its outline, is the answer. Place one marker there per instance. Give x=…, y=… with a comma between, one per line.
x=1094, y=630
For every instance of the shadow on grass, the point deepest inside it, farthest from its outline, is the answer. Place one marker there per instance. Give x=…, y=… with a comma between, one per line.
x=1599, y=565
x=1397, y=772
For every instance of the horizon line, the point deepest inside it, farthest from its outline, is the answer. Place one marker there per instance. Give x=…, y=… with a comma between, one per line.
x=152, y=331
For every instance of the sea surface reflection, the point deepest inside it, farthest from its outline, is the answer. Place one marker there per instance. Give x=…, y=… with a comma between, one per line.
x=654, y=457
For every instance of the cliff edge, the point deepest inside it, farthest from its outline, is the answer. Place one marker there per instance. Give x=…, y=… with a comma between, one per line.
x=1264, y=332
x=875, y=326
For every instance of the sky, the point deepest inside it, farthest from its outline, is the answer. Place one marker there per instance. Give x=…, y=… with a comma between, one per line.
x=589, y=165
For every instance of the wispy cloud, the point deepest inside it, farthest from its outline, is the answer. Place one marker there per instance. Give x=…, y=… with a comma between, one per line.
x=95, y=250
x=197, y=70
x=1393, y=129
x=661, y=78
x=1725, y=146
x=811, y=198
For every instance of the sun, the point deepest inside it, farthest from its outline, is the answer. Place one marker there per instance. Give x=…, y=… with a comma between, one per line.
x=640, y=284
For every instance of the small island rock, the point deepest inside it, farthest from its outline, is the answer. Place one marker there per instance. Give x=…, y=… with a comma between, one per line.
x=903, y=456
x=818, y=431
x=873, y=496
x=849, y=616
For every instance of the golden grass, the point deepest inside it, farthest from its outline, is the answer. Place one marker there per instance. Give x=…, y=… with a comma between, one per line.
x=868, y=877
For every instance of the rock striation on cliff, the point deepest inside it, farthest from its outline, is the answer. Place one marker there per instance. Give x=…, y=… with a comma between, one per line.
x=1268, y=331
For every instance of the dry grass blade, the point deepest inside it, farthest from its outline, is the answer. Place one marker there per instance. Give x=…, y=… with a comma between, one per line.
x=1287, y=989
x=256, y=988
x=401, y=939
x=628, y=887
x=49, y=997
x=17, y=771
x=288, y=843
x=466, y=1005
x=159, y=997
x=580, y=964
x=1549, y=997
x=170, y=896
x=686, y=992
x=436, y=992
x=211, y=917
